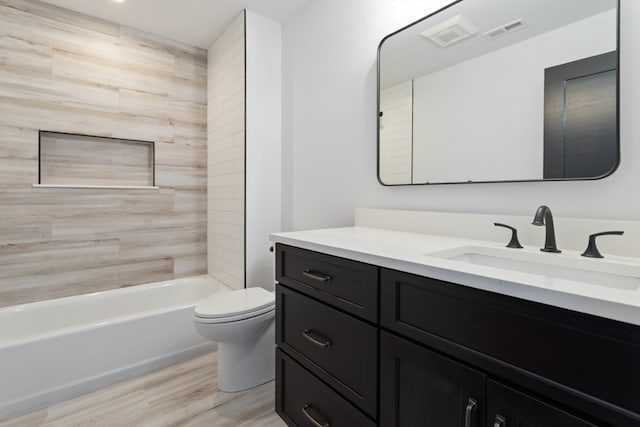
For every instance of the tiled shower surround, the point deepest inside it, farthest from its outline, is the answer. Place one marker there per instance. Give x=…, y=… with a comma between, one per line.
x=65, y=72
x=226, y=156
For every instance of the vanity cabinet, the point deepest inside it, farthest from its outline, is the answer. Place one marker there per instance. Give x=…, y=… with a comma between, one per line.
x=327, y=337
x=398, y=349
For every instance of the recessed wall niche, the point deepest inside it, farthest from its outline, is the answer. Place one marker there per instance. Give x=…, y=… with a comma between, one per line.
x=71, y=160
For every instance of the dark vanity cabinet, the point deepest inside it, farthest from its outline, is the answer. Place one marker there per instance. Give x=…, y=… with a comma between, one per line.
x=327, y=337
x=361, y=345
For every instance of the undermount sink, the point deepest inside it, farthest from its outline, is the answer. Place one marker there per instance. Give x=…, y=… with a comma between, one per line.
x=599, y=272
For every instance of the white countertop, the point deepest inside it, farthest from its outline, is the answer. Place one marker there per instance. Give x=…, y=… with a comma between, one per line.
x=417, y=253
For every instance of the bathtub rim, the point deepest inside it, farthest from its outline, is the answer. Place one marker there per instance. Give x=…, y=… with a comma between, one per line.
x=6, y=344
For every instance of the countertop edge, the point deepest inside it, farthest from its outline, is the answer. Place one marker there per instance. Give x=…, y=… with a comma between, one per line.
x=580, y=303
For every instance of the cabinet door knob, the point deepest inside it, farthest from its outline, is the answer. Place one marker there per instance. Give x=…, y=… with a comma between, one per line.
x=468, y=414
x=500, y=421
x=318, y=340
x=320, y=277
x=311, y=418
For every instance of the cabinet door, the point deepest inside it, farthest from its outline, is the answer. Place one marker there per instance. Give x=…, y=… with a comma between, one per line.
x=507, y=407
x=419, y=387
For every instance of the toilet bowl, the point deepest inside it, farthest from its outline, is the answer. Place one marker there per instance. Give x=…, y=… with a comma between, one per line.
x=242, y=323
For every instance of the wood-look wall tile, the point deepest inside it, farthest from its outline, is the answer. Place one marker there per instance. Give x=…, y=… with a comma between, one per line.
x=190, y=134
x=56, y=284
x=18, y=172
x=185, y=266
x=182, y=178
x=41, y=29
x=18, y=143
x=137, y=77
x=65, y=202
x=18, y=53
x=137, y=272
x=39, y=257
x=160, y=243
x=49, y=116
x=160, y=106
x=88, y=224
x=18, y=84
x=70, y=32
x=194, y=54
x=182, y=154
x=24, y=229
x=186, y=68
x=190, y=201
x=65, y=72
x=64, y=15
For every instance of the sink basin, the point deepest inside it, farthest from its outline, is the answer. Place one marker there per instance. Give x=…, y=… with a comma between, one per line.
x=599, y=272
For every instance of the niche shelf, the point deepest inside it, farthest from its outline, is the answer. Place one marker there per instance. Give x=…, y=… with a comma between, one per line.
x=82, y=161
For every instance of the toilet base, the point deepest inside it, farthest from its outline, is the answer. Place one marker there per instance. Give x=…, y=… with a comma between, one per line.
x=243, y=365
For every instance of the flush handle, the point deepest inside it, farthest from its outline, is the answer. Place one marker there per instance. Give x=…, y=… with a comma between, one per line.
x=316, y=338
x=319, y=277
x=314, y=421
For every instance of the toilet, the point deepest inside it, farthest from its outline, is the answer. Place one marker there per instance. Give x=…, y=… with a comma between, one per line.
x=242, y=323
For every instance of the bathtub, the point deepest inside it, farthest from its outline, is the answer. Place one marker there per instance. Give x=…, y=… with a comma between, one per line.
x=52, y=350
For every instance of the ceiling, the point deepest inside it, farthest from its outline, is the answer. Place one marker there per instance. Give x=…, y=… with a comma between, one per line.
x=194, y=22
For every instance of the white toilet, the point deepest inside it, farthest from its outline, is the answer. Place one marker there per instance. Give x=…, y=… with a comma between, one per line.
x=242, y=323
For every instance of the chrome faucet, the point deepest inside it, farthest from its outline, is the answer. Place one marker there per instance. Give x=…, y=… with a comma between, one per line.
x=543, y=217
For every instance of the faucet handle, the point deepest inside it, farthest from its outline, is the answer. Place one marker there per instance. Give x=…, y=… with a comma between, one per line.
x=592, y=250
x=513, y=243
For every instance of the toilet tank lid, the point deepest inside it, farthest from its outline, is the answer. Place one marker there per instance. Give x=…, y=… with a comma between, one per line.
x=234, y=303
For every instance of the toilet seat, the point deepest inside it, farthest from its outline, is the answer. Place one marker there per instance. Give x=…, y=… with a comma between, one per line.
x=234, y=306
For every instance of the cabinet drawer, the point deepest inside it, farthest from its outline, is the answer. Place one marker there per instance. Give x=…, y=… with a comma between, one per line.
x=589, y=354
x=349, y=285
x=303, y=400
x=339, y=348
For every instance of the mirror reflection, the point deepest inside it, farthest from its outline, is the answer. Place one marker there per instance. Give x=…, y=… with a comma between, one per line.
x=500, y=90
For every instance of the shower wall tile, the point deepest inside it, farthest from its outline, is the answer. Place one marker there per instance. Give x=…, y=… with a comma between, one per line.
x=226, y=156
x=56, y=284
x=67, y=72
x=30, y=229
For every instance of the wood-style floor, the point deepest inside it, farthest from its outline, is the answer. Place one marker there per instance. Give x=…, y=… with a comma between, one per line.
x=184, y=394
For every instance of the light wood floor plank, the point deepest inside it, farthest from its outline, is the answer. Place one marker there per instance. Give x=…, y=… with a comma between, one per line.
x=182, y=395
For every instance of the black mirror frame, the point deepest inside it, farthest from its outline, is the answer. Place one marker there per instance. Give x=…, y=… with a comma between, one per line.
x=610, y=172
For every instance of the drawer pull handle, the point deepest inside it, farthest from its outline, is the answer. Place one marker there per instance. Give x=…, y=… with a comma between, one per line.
x=500, y=421
x=471, y=406
x=310, y=417
x=320, y=341
x=320, y=277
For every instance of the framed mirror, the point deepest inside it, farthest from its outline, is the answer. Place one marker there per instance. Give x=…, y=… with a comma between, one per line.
x=501, y=91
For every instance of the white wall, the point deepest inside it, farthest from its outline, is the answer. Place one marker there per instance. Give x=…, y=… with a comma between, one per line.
x=329, y=127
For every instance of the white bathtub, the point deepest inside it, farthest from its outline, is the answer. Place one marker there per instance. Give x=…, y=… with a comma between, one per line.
x=52, y=350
